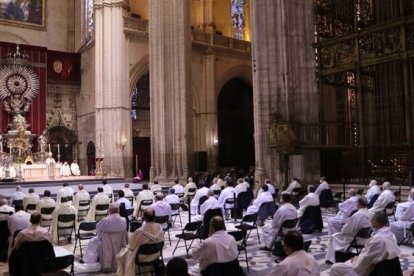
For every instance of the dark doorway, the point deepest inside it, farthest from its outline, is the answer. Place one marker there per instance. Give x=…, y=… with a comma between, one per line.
x=235, y=125
x=142, y=153
x=90, y=155
x=62, y=140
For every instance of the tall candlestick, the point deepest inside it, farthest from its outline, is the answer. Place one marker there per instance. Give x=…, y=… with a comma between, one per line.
x=136, y=163
x=49, y=148
x=1, y=146
x=20, y=152
x=58, y=149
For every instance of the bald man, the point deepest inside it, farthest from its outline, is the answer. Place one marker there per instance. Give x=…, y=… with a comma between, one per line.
x=386, y=197
x=345, y=209
x=81, y=195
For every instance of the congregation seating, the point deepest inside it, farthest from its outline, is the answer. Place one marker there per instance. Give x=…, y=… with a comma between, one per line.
x=229, y=269
x=311, y=220
x=30, y=208
x=66, y=219
x=175, y=212
x=46, y=211
x=86, y=231
x=241, y=237
x=249, y=223
x=101, y=211
x=164, y=222
x=266, y=210
x=189, y=233
x=148, y=250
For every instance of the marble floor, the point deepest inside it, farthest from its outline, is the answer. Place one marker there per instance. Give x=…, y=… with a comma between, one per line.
x=260, y=262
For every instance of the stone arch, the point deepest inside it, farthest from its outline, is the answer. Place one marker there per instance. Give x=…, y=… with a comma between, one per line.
x=242, y=71
x=137, y=71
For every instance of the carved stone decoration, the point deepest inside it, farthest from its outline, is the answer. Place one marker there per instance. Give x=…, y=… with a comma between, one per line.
x=337, y=55
x=284, y=136
x=379, y=44
x=61, y=106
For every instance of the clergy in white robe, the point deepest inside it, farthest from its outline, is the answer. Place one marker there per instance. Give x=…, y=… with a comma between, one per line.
x=263, y=197
x=74, y=168
x=98, y=199
x=404, y=218
x=127, y=191
x=345, y=209
x=210, y=203
x=45, y=202
x=195, y=201
x=122, y=199
x=293, y=185
x=386, y=197
x=66, y=191
x=382, y=246
x=403, y=206
x=285, y=212
x=374, y=189
x=178, y=188
x=18, y=221
x=340, y=241
x=298, y=262
x=172, y=198
x=18, y=194
x=32, y=233
x=223, y=184
x=242, y=186
x=30, y=198
x=322, y=186
x=107, y=189
x=161, y=208
x=227, y=193
x=150, y=232
x=190, y=185
x=215, y=186
x=311, y=199
x=65, y=208
x=81, y=195
x=156, y=188
x=145, y=194
x=65, y=170
x=4, y=207
x=219, y=247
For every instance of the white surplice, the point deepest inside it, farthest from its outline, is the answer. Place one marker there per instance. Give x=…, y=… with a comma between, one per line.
x=143, y=195
x=107, y=189
x=374, y=190
x=210, y=203
x=81, y=195
x=45, y=203
x=30, y=198
x=242, y=187
x=65, y=170
x=323, y=186
x=128, y=192
x=190, y=185
x=194, y=202
x=340, y=241
x=345, y=209
x=382, y=246
x=7, y=209
x=63, y=209
x=156, y=188
x=311, y=199
x=98, y=199
x=293, y=185
x=178, y=189
x=18, y=195
x=64, y=192
x=404, y=220
x=286, y=212
x=383, y=200
x=298, y=263
x=261, y=198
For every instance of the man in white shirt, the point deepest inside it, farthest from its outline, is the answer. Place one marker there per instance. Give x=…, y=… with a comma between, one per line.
x=127, y=191
x=81, y=195
x=161, y=208
x=18, y=195
x=178, y=188
x=405, y=217
x=227, y=193
x=242, y=186
x=272, y=190
x=293, y=185
x=30, y=198
x=45, y=202
x=145, y=194
x=382, y=246
x=202, y=191
x=374, y=189
x=66, y=191
x=99, y=199
x=219, y=247
x=156, y=188
x=311, y=199
x=74, y=168
x=263, y=197
x=286, y=212
x=190, y=185
x=65, y=208
x=4, y=207
x=386, y=197
x=122, y=199
x=322, y=186
x=215, y=186
x=18, y=221
x=298, y=261
x=221, y=182
x=32, y=233
x=340, y=241
x=345, y=209
x=210, y=203
x=107, y=189
x=172, y=198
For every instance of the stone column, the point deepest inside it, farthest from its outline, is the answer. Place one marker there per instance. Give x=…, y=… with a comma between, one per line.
x=112, y=99
x=170, y=84
x=283, y=74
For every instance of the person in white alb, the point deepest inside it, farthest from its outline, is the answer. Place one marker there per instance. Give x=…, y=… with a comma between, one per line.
x=66, y=191
x=5, y=208
x=227, y=193
x=81, y=195
x=405, y=217
x=99, y=199
x=190, y=185
x=345, y=209
x=18, y=194
x=219, y=247
x=18, y=221
x=263, y=197
x=311, y=199
x=242, y=186
x=107, y=189
x=127, y=191
x=45, y=202
x=65, y=208
x=30, y=198
x=340, y=241
x=210, y=203
x=298, y=262
x=74, y=168
x=374, y=189
x=202, y=191
x=216, y=187
x=322, y=186
x=293, y=185
x=122, y=199
x=161, y=208
x=156, y=188
x=221, y=182
x=285, y=212
x=386, y=197
x=382, y=246
x=65, y=170
x=172, y=198
x=145, y=194
x=178, y=188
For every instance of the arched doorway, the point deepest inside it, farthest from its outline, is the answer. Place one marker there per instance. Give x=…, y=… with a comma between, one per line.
x=62, y=140
x=235, y=125
x=141, y=128
x=90, y=157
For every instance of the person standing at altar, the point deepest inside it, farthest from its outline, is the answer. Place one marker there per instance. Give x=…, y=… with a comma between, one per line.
x=30, y=198
x=66, y=191
x=74, y=168
x=65, y=170
x=51, y=164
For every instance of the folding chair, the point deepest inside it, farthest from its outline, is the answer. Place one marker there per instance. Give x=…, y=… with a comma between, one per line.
x=66, y=219
x=144, y=203
x=134, y=225
x=46, y=211
x=17, y=202
x=229, y=202
x=189, y=233
x=57, y=264
x=363, y=233
x=103, y=211
x=240, y=236
x=360, y=191
x=175, y=212
x=390, y=210
x=84, y=233
x=31, y=208
x=84, y=206
x=149, y=249
x=163, y=221
x=249, y=223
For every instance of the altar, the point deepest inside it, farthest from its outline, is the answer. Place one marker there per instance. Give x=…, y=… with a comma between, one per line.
x=38, y=171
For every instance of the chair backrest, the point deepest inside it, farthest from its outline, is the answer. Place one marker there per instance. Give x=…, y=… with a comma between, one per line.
x=87, y=226
x=30, y=207
x=243, y=200
x=337, y=196
x=84, y=203
x=372, y=201
x=290, y=223
x=66, y=218
x=134, y=225
x=191, y=191
x=130, y=198
x=149, y=249
x=387, y=267
x=17, y=202
x=57, y=263
x=390, y=205
x=175, y=206
x=47, y=210
x=102, y=207
x=364, y=233
x=192, y=226
x=229, y=269
x=250, y=218
x=360, y=191
x=325, y=197
x=180, y=195
x=145, y=202
x=267, y=209
x=296, y=191
x=69, y=198
x=229, y=200
x=202, y=200
x=161, y=219
x=217, y=192
x=238, y=235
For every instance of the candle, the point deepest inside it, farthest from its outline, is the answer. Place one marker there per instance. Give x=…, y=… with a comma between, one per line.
x=49, y=148
x=1, y=146
x=58, y=149
x=136, y=163
x=41, y=147
x=20, y=152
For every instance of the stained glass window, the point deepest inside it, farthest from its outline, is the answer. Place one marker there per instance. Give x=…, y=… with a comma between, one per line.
x=89, y=19
x=134, y=103
x=140, y=96
x=238, y=18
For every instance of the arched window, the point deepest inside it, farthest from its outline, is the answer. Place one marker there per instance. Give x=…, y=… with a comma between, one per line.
x=238, y=18
x=140, y=96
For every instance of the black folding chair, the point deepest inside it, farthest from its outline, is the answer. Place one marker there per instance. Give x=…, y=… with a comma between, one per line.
x=390, y=210
x=229, y=202
x=175, y=212
x=360, y=191
x=363, y=233
x=57, y=264
x=189, y=233
x=163, y=221
x=240, y=236
x=46, y=211
x=17, y=202
x=191, y=192
x=30, y=208
x=103, y=211
x=149, y=249
x=66, y=218
x=84, y=206
x=85, y=232
x=218, y=269
x=144, y=203
x=134, y=225
x=388, y=267
x=249, y=223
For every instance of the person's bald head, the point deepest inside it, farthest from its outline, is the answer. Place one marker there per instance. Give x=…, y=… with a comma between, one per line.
x=362, y=202
x=80, y=187
x=159, y=197
x=114, y=208
x=126, y=185
x=210, y=193
x=352, y=192
x=386, y=185
x=149, y=215
x=216, y=224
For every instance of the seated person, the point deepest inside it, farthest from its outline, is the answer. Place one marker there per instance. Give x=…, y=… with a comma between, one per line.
x=18, y=221
x=32, y=233
x=298, y=261
x=189, y=185
x=219, y=247
x=263, y=197
x=65, y=170
x=99, y=199
x=45, y=202
x=340, y=241
x=138, y=177
x=155, y=188
x=64, y=192
x=30, y=198
x=108, y=190
x=403, y=206
x=177, y=266
x=210, y=203
x=271, y=188
x=345, y=209
x=149, y=232
x=242, y=186
x=122, y=199
x=202, y=191
x=227, y=193
x=172, y=198
x=215, y=186
x=386, y=197
x=405, y=217
x=178, y=188
x=322, y=186
x=161, y=208
x=81, y=195
x=65, y=208
x=311, y=199
x=4, y=207
x=17, y=195
x=382, y=246
x=74, y=168
x=374, y=189
x=293, y=185
x=145, y=194
x=286, y=211
x=127, y=191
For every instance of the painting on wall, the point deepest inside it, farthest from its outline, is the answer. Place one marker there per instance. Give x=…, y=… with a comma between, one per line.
x=23, y=13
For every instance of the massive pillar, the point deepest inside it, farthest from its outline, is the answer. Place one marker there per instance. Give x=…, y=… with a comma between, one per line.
x=170, y=83
x=283, y=74
x=112, y=99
